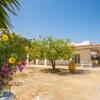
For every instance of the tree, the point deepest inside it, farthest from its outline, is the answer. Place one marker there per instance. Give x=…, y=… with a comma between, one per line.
x=37, y=49
x=51, y=50
x=6, y=7
x=57, y=49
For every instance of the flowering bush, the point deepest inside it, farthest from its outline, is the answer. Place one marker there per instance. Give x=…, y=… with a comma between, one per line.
x=13, y=50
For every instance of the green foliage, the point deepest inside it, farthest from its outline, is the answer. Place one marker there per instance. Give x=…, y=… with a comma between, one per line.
x=12, y=56
x=6, y=7
x=51, y=49
x=58, y=49
x=14, y=47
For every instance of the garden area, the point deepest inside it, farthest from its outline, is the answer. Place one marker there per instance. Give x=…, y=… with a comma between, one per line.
x=16, y=51
x=20, y=80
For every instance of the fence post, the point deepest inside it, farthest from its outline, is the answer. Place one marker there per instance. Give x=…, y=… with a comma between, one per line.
x=27, y=60
x=45, y=62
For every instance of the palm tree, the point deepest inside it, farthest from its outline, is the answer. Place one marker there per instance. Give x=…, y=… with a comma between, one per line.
x=6, y=7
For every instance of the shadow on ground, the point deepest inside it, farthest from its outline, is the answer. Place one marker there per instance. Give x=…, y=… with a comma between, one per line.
x=63, y=72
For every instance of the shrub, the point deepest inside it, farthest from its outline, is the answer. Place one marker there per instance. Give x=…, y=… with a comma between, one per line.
x=12, y=57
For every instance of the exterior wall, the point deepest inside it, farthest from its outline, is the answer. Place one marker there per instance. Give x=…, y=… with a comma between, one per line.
x=99, y=52
x=85, y=54
x=58, y=62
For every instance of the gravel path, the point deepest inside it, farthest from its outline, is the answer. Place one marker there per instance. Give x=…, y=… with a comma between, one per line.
x=44, y=84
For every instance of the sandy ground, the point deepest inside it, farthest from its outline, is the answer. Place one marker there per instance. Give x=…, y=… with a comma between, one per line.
x=37, y=83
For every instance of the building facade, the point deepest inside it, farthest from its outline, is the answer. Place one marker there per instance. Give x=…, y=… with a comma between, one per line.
x=86, y=52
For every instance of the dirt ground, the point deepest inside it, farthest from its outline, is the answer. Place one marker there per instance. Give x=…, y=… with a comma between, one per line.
x=37, y=83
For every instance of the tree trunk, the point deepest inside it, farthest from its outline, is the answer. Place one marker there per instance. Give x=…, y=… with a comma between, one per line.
x=34, y=61
x=53, y=64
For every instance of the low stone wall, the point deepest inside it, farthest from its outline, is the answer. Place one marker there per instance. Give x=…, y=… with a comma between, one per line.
x=58, y=62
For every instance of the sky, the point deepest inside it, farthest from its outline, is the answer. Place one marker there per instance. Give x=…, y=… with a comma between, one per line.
x=78, y=20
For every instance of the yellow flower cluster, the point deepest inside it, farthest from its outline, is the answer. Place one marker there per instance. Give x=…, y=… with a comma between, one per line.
x=5, y=37
x=12, y=60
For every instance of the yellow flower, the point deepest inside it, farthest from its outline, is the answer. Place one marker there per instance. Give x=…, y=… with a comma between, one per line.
x=12, y=36
x=12, y=60
x=27, y=49
x=5, y=37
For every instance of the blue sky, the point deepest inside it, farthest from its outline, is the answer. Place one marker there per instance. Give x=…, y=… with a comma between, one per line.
x=75, y=19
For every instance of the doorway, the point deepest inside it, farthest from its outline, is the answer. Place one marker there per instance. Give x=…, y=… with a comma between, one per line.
x=77, y=58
